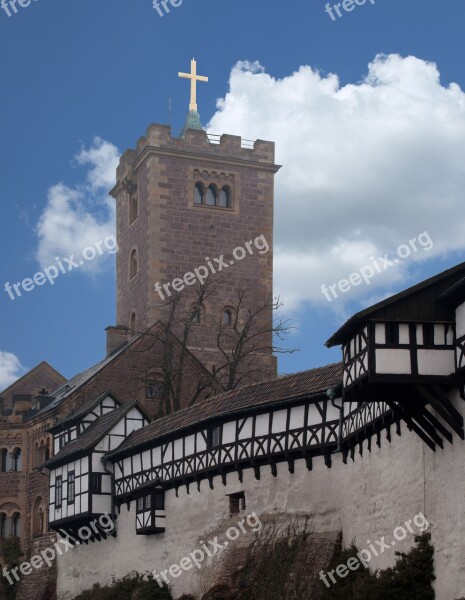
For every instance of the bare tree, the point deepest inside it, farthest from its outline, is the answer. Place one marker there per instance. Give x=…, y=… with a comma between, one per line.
x=244, y=345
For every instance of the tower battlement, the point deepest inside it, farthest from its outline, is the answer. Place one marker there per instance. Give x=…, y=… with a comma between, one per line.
x=159, y=141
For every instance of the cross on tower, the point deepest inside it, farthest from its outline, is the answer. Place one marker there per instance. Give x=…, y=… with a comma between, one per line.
x=194, y=78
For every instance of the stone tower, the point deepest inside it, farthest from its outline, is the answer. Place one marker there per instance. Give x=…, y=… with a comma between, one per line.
x=183, y=202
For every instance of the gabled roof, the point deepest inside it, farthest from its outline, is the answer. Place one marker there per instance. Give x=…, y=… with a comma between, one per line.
x=92, y=435
x=81, y=379
x=259, y=395
x=421, y=299
x=43, y=366
x=60, y=394
x=455, y=294
x=82, y=410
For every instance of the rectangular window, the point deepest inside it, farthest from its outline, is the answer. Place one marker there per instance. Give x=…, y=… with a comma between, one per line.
x=392, y=334
x=154, y=391
x=214, y=437
x=96, y=483
x=71, y=487
x=428, y=334
x=58, y=491
x=236, y=503
x=140, y=504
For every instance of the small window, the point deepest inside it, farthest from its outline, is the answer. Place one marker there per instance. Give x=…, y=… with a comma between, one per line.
x=3, y=526
x=392, y=334
x=212, y=194
x=140, y=504
x=214, y=437
x=154, y=391
x=16, y=525
x=133, y=264
x=428, y=334
x=227, y=317
x=198, y=193
x=4, y=461
x=16, y=460
x=236, y=503
x=197, y=314
x=96, y=483
x=159, y=501
x=225, y=197
x=148, y=502
x=58, y=491
x=133, y=322
x=133, y=209
x=71, y=487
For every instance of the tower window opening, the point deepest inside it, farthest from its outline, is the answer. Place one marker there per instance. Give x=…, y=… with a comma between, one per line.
x=225, y=197
x=133, y=264
x=199, y=193
x=133, y=209
x=212, y=194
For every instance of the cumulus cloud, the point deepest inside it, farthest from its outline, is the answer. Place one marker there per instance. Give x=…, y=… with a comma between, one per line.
x=368, y=166
x=77, y=217
x=10, y=369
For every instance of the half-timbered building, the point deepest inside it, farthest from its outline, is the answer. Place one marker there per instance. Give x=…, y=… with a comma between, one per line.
x=81, y=488
x=346, y=446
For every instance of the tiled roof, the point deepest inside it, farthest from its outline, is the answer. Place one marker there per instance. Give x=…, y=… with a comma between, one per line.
x=289, y=387
x=91, y=436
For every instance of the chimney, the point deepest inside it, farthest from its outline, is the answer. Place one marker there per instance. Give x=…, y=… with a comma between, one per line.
x=117, y=336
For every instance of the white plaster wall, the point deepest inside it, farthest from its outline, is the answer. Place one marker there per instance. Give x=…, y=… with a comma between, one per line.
x=366, y=499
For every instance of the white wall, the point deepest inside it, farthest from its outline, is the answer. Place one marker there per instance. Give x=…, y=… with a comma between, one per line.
x=366, y=499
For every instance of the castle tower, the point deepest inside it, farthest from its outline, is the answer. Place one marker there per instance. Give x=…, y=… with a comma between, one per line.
x=183, y=202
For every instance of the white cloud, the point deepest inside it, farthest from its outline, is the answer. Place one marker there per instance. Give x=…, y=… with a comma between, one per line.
x=10, y=369
x=77, y=217
x=367, y=167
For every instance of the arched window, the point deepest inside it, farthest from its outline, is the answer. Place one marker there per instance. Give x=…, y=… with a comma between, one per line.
x=16, y=525
x=212, y=194
x=16, y=460
x=133, y=322
x=38, y=521
x=198, y=193
x=227, y=317
x=3, y=526
x=133, y=209
x=225, y=197
x=197, y=314
x=133, y=264
x=4, y=461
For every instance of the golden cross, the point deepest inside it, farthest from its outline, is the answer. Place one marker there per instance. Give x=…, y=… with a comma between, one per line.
x=194, y=78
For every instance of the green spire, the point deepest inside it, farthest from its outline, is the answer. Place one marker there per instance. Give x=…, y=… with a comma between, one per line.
x=192, y=122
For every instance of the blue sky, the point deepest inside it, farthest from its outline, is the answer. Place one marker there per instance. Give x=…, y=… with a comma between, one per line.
x=73, y=70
